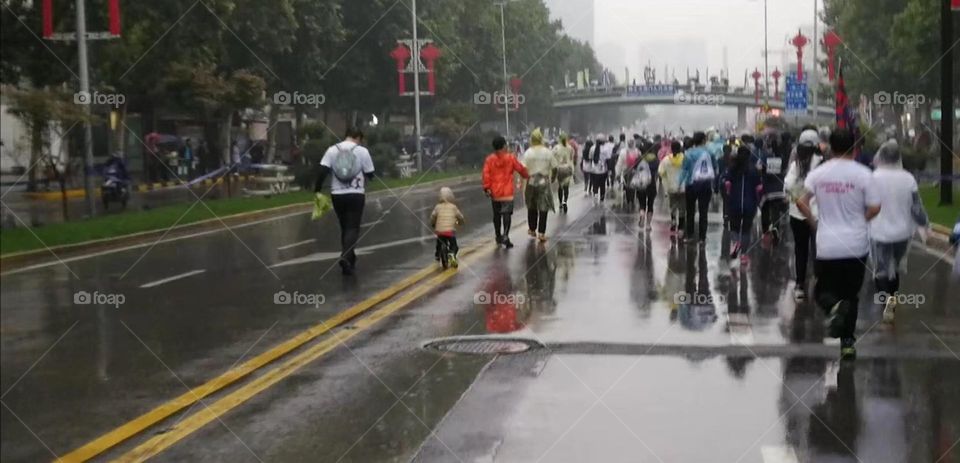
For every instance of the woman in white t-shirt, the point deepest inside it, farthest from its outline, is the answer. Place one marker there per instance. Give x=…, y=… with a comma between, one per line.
x=901, y=212
x=807, y=158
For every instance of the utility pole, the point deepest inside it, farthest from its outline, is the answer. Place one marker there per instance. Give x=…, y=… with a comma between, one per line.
x=83, y=63
x=506, y=83
x=815, y=72
x=416, y=85
x=946, y=103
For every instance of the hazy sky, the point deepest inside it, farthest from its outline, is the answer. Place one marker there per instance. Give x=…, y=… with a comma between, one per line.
x=693, y=33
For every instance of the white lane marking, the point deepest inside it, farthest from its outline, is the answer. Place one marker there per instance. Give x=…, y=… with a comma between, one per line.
x=150, y=243
x=778, y=454
x=298, y=243
x=370, y=224
x=320, y=256
x=173, y=278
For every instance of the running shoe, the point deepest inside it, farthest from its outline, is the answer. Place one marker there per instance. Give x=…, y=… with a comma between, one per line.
x=890, y=308
x=734, y=250
x=532, y=233
x=542, y=237
x=799, y=295
x=452, y=260
x=848, y=348
x=507, y=243
x=838, y=313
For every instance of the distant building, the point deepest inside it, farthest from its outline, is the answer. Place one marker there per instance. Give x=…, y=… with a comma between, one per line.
x=577, y=17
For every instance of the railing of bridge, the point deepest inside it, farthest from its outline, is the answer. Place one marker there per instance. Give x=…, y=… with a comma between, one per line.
x=668, y=90
x=647, y=90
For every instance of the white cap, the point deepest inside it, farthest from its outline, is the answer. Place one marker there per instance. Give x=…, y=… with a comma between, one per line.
x=809, y=137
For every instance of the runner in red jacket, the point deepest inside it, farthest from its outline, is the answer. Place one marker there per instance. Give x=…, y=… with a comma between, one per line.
x=498, y=170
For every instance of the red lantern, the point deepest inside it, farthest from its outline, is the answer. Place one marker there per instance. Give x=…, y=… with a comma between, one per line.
x=401, y=54
x=430, y=54
x=776, y=83
x=756, y=85
x=799, y=41
x=831, y=40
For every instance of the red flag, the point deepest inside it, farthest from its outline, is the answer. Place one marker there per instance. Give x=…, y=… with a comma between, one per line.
x=842, y=108
x=47, y=18
x=114, y=11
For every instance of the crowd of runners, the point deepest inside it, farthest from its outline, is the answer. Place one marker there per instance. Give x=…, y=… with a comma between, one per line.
x=845, y=214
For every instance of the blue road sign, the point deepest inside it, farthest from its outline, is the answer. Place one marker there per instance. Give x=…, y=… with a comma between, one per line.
x=795, y=99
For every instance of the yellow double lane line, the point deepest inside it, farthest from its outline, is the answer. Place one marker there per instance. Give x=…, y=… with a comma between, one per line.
x=211, y=412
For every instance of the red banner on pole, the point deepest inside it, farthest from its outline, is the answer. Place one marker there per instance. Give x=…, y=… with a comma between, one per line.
x=47, y=19
x=955, y=5
x=114, y=9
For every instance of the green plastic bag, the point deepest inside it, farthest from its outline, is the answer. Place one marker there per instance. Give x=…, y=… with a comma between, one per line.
x=321, y=205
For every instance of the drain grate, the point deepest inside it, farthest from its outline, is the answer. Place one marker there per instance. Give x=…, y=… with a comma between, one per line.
x=482, y=346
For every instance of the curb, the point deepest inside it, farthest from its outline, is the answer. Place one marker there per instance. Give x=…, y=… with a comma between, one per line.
x=939, y=239
x=139, y=188
x=23, y=258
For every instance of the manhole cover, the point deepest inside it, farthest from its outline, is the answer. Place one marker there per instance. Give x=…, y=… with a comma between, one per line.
x=482, y=346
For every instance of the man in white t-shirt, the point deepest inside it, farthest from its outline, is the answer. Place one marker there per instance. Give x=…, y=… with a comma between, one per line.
x=847, y=200
x=347, y=194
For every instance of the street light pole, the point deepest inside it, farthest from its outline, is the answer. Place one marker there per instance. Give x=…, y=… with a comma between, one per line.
x=766, y=58
x=503, y=43
x=416, y=85
x=83, y=64
x=815, y=72
x=946, y=104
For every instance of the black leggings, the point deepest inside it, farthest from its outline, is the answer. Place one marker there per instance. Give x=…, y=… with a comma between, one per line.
x=563, y=193
x=502, y=214
x=599, y=185
x=537, y=220
x=804, y=240
x=772, y=213
x=450, y=242
x=698, y=201
x=840, y=280
x=349, y=210
x=647, y=196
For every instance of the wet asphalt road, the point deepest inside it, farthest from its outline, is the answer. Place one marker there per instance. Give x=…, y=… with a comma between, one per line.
x=627, y=374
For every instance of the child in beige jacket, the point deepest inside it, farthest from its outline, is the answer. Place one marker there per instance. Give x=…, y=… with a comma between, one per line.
x=445, y=218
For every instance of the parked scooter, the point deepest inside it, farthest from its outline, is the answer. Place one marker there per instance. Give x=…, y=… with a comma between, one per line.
x=116, y=182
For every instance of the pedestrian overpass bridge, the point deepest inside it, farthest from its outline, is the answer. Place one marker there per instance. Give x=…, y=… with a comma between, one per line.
x=568, y=99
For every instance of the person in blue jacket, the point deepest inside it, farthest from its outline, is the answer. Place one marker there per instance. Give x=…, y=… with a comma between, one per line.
x=698, y=174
